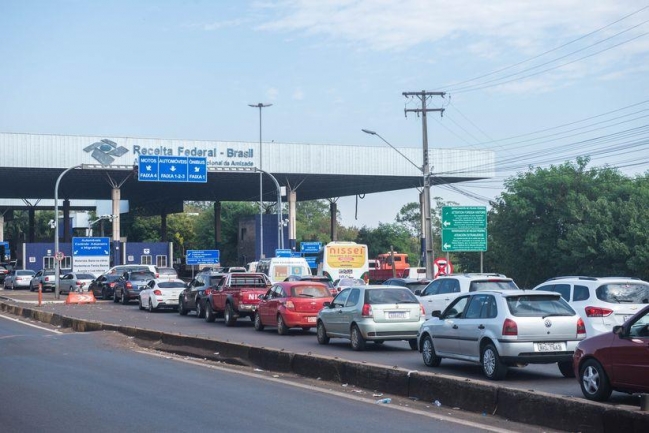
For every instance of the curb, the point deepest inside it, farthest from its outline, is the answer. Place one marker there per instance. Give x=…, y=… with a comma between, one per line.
x=537, y=408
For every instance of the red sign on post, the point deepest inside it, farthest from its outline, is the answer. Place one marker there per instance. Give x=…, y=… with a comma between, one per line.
x=59, y=255
x=441, y=266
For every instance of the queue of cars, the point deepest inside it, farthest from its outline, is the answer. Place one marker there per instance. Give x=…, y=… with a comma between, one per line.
x=479, y=318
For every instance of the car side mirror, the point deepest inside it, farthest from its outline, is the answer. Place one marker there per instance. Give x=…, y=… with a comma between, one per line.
x=436, y=313
x=619, y=331
x=327, y=304
x=418, y=292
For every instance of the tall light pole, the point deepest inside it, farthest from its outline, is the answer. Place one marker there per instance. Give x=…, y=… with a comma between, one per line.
x=261, y=185
x=425, y=211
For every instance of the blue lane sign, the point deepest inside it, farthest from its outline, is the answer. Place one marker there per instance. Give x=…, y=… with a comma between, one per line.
x=310, y=247
x=202, y=257
x=172, y=169
x=283, y=253
x=196, y=170
x=90, y=247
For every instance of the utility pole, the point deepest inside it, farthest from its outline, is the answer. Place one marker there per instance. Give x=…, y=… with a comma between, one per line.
x=427, y=229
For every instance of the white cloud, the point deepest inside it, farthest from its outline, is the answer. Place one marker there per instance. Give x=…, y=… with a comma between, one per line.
x=298, y=94
x=272, y=93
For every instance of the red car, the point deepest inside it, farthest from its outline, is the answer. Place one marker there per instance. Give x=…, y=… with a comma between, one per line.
x=291, y=304
x=615, y=361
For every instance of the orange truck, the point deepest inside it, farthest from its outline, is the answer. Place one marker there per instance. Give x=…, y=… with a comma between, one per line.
x=387, y=266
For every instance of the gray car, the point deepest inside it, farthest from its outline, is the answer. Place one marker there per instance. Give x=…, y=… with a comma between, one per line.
x=18, y=279
x=503, y=328
x=371, y=313
x=75, y=282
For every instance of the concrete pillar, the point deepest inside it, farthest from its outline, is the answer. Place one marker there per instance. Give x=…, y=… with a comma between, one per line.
x=116, y=196
x=67, y=236
x=422, y=256
x=32, y=223
x=163, y=226
x=292, y=212
x=217, y=225
x=2, y=227
x=333, y=211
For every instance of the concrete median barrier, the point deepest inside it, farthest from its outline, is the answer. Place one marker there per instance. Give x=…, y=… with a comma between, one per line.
x=537, y=408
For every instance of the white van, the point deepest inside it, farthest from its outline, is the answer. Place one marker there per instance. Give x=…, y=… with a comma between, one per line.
x=279, y=268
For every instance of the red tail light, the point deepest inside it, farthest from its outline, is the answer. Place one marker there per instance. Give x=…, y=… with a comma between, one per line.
x=129, y=285
x=157, y=292
x=581, y=327
x=111, y=285
x=510, y=327
x=290, y=305
x=598, y=312
x=367, y=311
x=78, y=283
x=209, y=291
x=423, y=310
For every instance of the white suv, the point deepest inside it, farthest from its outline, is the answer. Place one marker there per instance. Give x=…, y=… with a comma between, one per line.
x=602, y=302
x=443, y=289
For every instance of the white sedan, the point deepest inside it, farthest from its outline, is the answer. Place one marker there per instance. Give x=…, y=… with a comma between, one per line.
x=161, y=294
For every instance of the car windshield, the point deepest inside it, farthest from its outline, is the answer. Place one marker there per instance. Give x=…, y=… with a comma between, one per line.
x=310, y=292
x=390, y=296
x=538, y=306
x=492, y=284
x=624, y=293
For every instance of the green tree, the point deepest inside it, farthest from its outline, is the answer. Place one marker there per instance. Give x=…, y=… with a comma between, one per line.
x=570, y=220
x=380, y=239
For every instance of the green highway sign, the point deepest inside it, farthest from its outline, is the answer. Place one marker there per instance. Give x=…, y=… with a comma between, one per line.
x=454, y=240
x=464, y=228
x=464, y=217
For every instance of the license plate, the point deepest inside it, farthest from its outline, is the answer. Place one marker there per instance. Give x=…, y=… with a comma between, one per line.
x=397, y=314
x=311, y=319
x=549, y=347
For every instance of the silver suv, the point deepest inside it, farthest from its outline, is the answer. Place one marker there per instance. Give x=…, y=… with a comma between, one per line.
x=443, y=289
x=503, y=328
x=602, y=302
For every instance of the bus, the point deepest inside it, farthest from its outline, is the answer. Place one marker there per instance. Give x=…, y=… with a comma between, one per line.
x=343, y=260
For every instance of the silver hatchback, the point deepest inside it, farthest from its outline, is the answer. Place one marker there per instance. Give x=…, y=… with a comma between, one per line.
x=371, y=313
x=504, y=328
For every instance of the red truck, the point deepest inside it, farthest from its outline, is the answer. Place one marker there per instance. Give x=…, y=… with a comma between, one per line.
x=383, y=265
x=237, y=295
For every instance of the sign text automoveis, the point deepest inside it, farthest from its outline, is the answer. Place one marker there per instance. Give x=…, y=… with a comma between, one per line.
x=192, y=151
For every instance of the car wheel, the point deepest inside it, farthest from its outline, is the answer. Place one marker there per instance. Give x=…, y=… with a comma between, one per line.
x=31, y=288
x=428, y=353
x=209, y=313
x=322, y=334
x=282, y=329
x=492, y=367
x=139, y=303
x=358, y=342
x=200, y=309
x=230, y=320
x=151, y=309
x=182, y=309
x=115, y=298
x=413, y=344
x=258, y=325
x=124, y=298
x=594, y=381
x=565, y=367
x=103, y=294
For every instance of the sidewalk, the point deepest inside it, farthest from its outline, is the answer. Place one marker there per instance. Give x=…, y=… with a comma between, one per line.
x=24, y=296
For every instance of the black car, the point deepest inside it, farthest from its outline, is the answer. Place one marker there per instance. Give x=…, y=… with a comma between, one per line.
x=194, y=296
x=104, y=286
x=130, y=284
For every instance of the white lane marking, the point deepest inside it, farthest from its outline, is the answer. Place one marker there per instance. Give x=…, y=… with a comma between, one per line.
x=332, y=392
x=55, y=331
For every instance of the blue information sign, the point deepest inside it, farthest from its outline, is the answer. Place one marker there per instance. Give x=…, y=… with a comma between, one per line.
x=172, y=169
x=202, y=257
x=90, y=247
x=310, y=247
x=283, y=253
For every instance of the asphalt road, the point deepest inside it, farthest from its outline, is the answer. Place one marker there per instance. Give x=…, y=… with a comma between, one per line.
x=539, y=378
x=100, y=382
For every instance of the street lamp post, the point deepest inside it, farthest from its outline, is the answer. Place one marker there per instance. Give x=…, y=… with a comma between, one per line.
x=57, y=263
x=261, y=184
x=426, y=229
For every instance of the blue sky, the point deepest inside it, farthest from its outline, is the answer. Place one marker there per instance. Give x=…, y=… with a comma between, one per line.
x=539, y=83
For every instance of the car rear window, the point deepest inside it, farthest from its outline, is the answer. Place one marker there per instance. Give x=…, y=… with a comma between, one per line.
x=390, y=296
x=166, y=271
x=171, y=284
x=624, y=293
x=492, y=284
x=538, y=306
x=311, y=291
x=85, y=277
x=139, y=276
x=25, y=272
